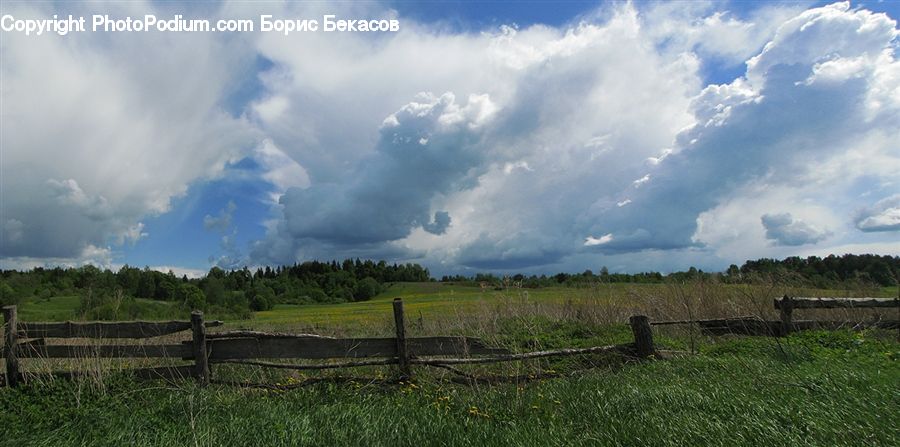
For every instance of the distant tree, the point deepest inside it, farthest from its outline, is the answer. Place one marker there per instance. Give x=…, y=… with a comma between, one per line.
x=191, y=296
x=261, y=297
x=733, y=271
x=881, y=273
x=214, y=290
x=128, y=279
x=147, y=284
x=8, y=296
x=366, y=288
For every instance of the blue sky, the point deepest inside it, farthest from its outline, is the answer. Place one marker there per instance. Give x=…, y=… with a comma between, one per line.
x=504, y=136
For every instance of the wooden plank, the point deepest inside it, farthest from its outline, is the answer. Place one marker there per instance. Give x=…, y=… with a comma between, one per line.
x=159, y=372
x=524, y=356
x=11, y=337
x=786, y=309
x=319, y=348
x=643, y=335
x=698, y=321
x=260, y=334
x=106, y=329
x=755, y=326
x=24, y=344
x=353, y=364
x=164, y=372
x=402, y=353
x=201, y=364
x=744, y=326
x=834, y=303
x=106, y=351
x=431, y=346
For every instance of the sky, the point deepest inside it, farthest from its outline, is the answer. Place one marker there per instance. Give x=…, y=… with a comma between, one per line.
x=532, y=137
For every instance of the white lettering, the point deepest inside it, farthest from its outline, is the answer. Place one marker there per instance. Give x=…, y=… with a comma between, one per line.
x=354, y=25
x=286, y=27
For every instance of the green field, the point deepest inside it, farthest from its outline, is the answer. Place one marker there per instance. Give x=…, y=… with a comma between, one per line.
x=828, y=389
x=64, y=308
x=429, y=300
x=813, y=388
x=434, y=300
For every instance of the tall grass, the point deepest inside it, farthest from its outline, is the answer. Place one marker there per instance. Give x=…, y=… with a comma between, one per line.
x=816, y=388
x=526, y=320
x=842, y=392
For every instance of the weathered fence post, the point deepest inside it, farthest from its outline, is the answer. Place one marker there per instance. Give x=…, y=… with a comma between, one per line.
x=12, y=335
x=787, y=308
x=402, y=354
x=201, y=368
x=643, y=335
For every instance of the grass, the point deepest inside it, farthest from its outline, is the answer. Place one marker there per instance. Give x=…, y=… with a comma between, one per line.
x=431, y=306
x=817, y=389
x=63, y=308
x=425, y=300
x=56, y=308
x=431, y=301
x=812, y=388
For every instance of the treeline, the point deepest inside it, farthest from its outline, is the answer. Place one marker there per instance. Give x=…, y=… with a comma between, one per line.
x=106, y=294
x=828, y=272
x=559, y=279
x=227, y=292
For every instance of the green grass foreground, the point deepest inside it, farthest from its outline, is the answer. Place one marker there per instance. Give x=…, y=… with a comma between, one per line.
x=817, y=388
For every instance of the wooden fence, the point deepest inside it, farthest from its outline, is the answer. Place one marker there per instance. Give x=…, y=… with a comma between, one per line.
x=751, y=325
x=27, y=340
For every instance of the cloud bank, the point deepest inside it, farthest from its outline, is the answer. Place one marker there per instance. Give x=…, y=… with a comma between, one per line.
x=100, y=133
x=784, y=229
x=536, y=148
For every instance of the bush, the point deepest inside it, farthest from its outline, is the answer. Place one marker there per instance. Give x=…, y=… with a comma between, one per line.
x=261, y=298
x=341, y=295
x=8, y=296
x=366, y=289
x=259, y=303
x=191, y=296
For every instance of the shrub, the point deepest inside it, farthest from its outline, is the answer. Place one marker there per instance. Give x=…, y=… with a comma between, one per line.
x=191, y=296
x=261, y=298
x=8, y=296
x=366, y=289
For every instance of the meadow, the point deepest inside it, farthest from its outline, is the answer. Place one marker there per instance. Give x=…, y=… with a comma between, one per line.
x=812, y=388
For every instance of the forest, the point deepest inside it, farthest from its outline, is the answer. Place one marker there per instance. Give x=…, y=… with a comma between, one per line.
x=103, y=293
x=234, y=292
x=829, y=272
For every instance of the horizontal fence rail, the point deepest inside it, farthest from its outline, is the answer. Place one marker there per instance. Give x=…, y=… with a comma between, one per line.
x=27, y=341
x=104, y=351
x=787, y=304
x=835, y=303
x=101, y=329
x=753, y=325
x=323, y=348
